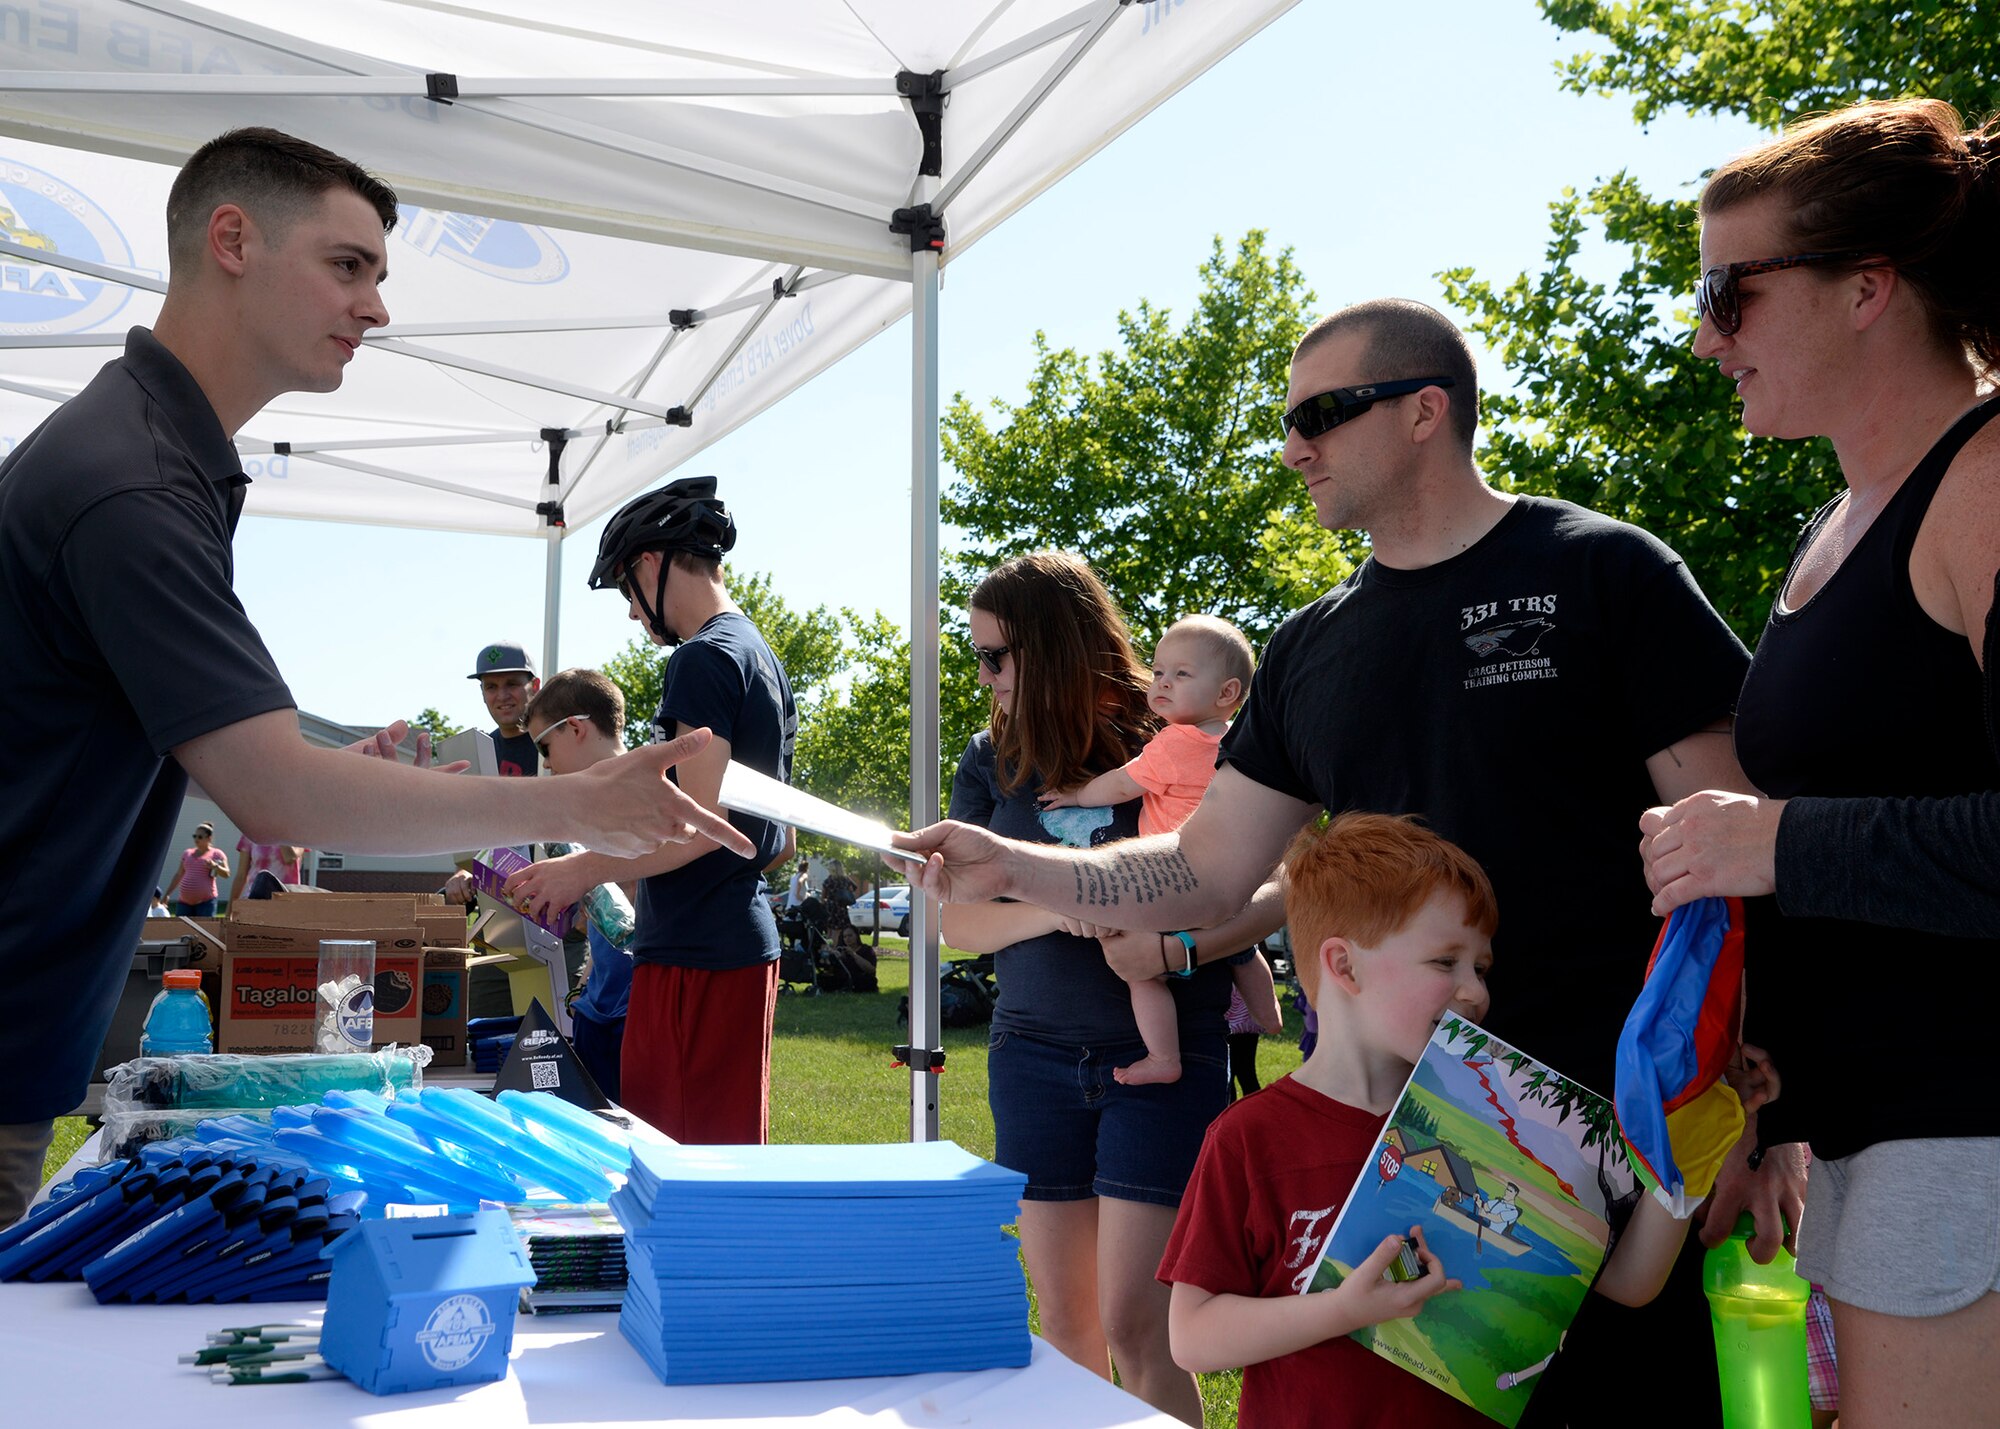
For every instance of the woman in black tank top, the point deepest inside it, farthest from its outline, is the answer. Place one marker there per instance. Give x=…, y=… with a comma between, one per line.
x=1850, y=292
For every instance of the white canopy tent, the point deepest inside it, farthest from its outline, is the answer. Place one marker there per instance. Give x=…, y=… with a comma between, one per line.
x=628, y=227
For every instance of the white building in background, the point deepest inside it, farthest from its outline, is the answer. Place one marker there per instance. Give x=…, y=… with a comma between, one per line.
x=324, y=868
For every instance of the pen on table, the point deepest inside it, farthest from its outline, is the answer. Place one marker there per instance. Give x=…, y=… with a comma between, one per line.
x=285, y=1331
x=238, y=1356
x=303, y=1375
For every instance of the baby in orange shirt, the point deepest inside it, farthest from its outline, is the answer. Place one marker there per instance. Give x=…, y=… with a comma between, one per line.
x=1201, y=672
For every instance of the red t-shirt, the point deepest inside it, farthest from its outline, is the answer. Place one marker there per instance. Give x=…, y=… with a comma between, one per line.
x=1270, y=1182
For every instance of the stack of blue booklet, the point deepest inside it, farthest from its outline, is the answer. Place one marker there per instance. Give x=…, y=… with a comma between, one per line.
x=820, y=1262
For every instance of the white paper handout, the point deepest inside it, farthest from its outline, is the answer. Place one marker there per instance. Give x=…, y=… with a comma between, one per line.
x=748, y=792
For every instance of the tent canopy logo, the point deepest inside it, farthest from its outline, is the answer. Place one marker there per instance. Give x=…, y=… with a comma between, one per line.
x=39, y=211
x=511, y=252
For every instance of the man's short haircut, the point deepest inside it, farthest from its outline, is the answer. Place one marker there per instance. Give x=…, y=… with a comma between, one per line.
x=579, y=692
x=1222, y=643
x=1406, y=339
x=695, y=563
x=1363, y=876
x=271, y=176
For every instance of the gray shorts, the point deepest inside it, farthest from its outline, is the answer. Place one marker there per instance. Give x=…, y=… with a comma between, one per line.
x=1905, y=1227
x=23, y=1146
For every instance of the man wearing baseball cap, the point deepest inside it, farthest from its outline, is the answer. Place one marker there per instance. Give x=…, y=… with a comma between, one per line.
x=507, y=682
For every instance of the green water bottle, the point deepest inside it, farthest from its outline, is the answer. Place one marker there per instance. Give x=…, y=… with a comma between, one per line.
x=1759, y=1316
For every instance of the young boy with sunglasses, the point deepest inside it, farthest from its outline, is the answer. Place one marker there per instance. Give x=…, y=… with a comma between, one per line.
x=1201, y=671
x=577, y=720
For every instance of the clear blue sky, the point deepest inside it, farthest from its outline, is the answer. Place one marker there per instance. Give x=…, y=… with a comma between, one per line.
x=1381, y=143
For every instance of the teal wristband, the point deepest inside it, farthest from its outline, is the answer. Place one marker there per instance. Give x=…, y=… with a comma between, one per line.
x=1187, y=941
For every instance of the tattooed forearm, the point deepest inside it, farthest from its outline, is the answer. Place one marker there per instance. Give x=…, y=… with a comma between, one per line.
x=1140, y=877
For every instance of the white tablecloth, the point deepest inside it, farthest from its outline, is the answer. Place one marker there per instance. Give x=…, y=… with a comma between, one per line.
x=65, y=1360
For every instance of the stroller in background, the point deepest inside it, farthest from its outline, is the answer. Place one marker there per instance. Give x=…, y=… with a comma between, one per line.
x=821, y=952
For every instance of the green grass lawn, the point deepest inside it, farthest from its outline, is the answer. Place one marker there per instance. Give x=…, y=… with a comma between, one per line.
x=831, y=1081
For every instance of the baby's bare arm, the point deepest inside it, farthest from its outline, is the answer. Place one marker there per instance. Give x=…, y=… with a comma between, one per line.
x=1114, y=786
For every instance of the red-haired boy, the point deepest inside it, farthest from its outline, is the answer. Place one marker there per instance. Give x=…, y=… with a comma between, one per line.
x=1393, y=928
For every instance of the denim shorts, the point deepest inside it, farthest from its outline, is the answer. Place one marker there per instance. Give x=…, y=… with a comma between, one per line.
x=1063, y=1121
x=1905, y=1227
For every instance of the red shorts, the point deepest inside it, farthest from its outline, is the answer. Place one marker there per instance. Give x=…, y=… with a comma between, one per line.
x=697, y=1057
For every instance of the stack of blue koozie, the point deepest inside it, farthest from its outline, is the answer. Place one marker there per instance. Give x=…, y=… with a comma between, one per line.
x=820, y=1262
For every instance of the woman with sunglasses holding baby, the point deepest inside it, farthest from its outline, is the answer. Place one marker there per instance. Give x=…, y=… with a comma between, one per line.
x=1106, y=1162
x=1852, y=292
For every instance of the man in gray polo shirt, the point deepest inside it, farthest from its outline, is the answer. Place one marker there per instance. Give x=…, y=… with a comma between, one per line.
x=132, y=665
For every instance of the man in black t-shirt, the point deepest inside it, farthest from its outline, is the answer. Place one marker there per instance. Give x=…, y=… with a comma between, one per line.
x=1525, y=675
x=697, y=1053
x=507, y=681
x=131, y=664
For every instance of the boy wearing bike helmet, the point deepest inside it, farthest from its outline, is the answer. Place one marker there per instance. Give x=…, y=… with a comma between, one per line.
x=697, y=1055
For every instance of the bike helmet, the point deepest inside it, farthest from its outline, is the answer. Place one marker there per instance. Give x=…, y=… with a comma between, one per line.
x=683, y=515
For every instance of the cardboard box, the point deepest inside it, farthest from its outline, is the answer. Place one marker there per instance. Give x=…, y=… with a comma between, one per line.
x=443, y=924
x=446, y=985
x=270, y=972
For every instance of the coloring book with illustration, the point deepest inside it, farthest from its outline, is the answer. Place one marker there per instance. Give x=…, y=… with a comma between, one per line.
x=1513, y=1171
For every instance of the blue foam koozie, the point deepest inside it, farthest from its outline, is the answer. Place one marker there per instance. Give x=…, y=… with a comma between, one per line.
x=424, y=1302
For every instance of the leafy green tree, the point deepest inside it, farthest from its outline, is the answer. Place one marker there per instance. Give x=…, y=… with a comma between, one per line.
x=809, y=645
x=1157, y=461
x=856, y=748
x=1610, y=408
x=434, y=720
x=1773, y=60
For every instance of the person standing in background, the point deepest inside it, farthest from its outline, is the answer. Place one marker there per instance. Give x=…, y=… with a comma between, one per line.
x=285, y=862
x=507, y=683
x=195, y=894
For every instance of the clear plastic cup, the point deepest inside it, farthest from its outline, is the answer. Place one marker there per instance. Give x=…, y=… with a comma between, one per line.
x=344, y=1013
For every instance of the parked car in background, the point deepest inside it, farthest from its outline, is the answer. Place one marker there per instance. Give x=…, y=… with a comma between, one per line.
x=894, y=902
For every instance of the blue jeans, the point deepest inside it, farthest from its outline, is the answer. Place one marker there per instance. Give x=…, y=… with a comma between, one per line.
x=1063, y=1121
x=203, y=909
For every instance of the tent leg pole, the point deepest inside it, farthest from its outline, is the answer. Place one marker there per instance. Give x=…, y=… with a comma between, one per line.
x=551, y=599
x=924, y=1027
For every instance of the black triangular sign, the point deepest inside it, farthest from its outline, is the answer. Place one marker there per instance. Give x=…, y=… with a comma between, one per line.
x=543, y=1061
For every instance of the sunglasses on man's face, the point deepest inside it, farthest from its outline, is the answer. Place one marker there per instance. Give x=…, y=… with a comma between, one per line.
x=1320, y=414
x=990, y=658
x=1718, y=299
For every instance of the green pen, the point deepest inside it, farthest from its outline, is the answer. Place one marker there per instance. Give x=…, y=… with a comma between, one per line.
x=302, y=1375
x=290, y=1329
x=247, y=1356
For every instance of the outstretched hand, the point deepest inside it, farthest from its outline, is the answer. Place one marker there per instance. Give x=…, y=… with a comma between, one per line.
x=629, y=807
x=1712, y=844
x=386, y=744
x=962, y=863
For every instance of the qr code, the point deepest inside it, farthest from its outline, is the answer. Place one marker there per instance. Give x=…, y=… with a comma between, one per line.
x=545, y=1076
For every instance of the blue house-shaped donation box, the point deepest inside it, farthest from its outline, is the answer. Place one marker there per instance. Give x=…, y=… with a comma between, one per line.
x=423, y=1303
